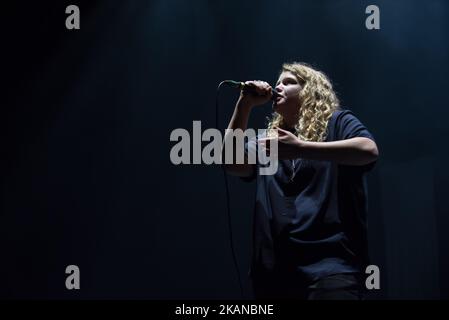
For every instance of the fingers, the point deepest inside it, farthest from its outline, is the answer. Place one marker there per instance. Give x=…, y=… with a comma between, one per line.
x=280, y=131
x=265, y=142
x=282, y=138
x=262, y=87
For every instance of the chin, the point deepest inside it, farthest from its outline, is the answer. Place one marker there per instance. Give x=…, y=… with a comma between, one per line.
x=277, y=107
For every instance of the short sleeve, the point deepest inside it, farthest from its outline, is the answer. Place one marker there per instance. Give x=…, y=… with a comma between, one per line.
x=347, y=126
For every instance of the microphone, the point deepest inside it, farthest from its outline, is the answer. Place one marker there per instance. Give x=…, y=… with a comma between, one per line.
x=241, y=85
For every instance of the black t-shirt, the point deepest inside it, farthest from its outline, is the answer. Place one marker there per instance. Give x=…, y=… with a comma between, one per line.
x=316, y=223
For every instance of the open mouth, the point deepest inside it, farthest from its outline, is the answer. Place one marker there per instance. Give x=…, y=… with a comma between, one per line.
x=277, y=101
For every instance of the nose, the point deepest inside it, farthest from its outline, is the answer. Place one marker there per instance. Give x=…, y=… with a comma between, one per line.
x=279, y=88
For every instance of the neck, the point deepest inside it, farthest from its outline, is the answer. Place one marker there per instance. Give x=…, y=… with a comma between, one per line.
x=290, y=123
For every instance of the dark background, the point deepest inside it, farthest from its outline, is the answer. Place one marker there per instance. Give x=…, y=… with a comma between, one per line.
x=86, y=117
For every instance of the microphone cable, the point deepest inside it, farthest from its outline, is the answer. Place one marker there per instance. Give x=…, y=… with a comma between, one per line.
x=231, y=239
x=236, y=85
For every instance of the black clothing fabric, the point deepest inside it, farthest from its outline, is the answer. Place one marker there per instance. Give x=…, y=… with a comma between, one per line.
x=346, y=286
x=310, y=217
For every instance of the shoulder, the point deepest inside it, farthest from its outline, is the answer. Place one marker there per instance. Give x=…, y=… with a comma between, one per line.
x=338, y=116
x=341, y=114
x=343, y=118
x=345, y=125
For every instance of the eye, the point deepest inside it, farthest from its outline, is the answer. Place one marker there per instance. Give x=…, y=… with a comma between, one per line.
x=287, y=81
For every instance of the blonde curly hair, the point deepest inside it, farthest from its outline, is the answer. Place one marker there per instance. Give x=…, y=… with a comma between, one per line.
x=318, y=102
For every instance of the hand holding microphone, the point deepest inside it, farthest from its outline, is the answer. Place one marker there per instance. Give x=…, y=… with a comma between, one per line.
x=254, y=92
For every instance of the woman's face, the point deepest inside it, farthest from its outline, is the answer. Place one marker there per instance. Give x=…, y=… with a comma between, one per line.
x=288, y=102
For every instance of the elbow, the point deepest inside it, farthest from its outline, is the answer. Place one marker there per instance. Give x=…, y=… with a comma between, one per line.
x=374, y=151
x=230, y=169
x=242, y=170
x=371, y=151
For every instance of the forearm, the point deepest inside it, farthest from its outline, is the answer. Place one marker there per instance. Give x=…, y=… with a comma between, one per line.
x=239, y=120
x=356, y=151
